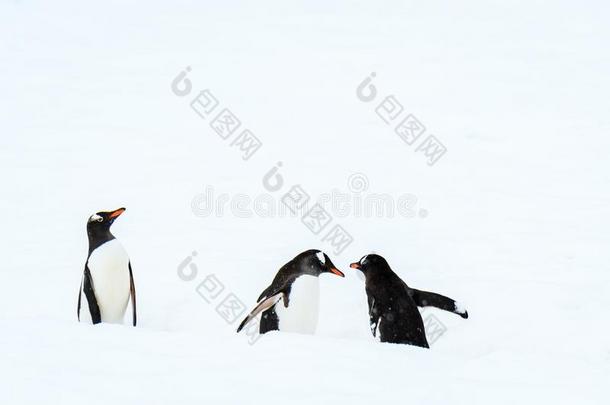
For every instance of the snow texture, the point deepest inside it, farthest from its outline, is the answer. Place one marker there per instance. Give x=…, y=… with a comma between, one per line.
x=512, y=220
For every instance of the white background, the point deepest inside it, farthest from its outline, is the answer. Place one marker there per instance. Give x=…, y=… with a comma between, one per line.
x=518, y=207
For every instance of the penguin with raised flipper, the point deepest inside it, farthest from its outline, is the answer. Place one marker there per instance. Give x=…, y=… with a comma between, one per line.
x=393, y=312
x=107, y=284
x=291, y=302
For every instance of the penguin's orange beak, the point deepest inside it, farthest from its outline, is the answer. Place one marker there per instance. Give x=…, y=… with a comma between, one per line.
x=116, y=213
x=355, y=266
x=336, y=271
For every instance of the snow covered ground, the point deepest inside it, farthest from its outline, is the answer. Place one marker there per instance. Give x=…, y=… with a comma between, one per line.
x=512, y=220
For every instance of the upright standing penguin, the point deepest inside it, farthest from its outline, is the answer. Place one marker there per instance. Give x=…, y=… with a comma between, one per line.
x=296, y=284
x=393, y=304
x=107, y=282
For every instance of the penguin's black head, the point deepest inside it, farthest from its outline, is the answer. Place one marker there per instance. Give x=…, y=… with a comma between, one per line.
x=370, y=263
x=99, y=223
x=316, y=262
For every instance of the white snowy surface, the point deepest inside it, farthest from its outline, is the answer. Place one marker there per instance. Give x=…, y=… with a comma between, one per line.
x=518, y=208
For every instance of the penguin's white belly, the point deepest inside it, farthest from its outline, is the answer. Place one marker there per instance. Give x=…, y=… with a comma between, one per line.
x=109, y=267
x=301, y=316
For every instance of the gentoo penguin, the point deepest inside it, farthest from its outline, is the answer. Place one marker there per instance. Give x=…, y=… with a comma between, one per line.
x=393, y=304
x=107, y=282
x=290, y=303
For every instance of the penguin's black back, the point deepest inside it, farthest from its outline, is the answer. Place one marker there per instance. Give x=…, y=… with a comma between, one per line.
x=399, y=318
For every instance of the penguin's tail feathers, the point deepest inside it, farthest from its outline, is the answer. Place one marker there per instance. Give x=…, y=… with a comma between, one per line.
x=263, y=306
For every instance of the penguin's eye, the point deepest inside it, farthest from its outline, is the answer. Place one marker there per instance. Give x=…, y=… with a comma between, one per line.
x=100, y=219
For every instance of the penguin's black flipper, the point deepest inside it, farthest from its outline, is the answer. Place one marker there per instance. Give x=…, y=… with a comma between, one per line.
x=94, y=309
x=132, y=292
x=264, y=305
x=265, y=293
x=430, y=299
x=80, y=290
x=269, y=319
